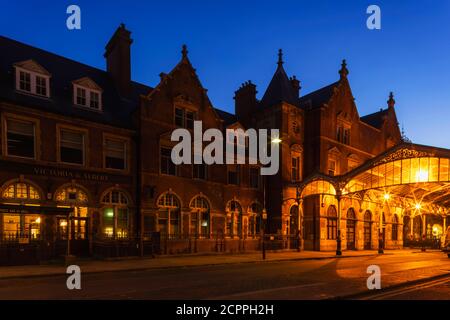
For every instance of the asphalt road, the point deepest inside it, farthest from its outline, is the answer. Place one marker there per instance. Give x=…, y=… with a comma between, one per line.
x=308, y=279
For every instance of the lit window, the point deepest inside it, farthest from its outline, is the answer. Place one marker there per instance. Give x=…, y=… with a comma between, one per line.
x=200, y=224
x=169, y=215
x=115, y=154
x=332, y=223
x=295, y=170
x=115, y=221
x=20, y=191
x=71, y=147
x=332, y=167
x=20, y=138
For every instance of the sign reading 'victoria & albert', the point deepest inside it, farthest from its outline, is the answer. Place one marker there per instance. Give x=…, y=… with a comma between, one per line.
x=64, y=173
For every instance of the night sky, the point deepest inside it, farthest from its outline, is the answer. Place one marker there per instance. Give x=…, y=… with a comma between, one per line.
x=230, y=42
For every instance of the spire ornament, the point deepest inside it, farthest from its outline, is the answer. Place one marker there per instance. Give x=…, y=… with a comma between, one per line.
x=391, y=101
x=280, y=58
x=184, y=51
x=344, y=71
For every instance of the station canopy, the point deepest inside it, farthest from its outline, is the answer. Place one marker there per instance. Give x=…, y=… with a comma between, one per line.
x=414, y=176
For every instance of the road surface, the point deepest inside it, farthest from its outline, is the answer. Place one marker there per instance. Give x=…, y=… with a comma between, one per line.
x=307, y=279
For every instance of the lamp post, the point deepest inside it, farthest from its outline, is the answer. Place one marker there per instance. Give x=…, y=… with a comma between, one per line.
x=338, y=238
x=300, y=222
x=380, y=235
x=264, y=218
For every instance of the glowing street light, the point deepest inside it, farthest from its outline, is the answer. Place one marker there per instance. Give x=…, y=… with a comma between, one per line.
x=276, y=140
x=418, y=206
x=387, y=196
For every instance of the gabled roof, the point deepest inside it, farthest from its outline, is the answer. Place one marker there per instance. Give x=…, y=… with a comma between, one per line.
x=228, y=118
x=279, y=89
x=319, y=97
x=116, y=110
x=375, y=119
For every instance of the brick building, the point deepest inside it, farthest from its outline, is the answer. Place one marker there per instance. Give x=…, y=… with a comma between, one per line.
x=86, y=156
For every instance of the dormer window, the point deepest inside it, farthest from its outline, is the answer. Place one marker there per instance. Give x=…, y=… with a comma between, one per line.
x=32, y=78
x=87, y=94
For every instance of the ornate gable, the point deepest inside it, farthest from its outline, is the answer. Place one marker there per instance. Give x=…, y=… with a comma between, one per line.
x=32, y=66
x=88, y=83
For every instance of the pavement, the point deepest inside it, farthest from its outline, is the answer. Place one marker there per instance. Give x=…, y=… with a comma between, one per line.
x=180, y=261
x=283, y=276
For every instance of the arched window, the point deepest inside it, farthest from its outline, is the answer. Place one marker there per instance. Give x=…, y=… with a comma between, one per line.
x=254, y=227
x=294, y=216
x=17, y=226
x=77, y=198
x=367, y=230
x=20, y=191
x=332, y=223
x=200, y=217
x=395, y=227
x=169, y=223
x=235, y=211
x=116, y=215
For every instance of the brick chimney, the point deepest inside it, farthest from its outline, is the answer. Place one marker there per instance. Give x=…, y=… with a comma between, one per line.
x=295, y=86
x=118, y=65
x=245, y=101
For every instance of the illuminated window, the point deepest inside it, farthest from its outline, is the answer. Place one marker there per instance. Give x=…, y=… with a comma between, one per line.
x=254, y=227
x=200, y=217
x=235, y=211
x=332, y=223
x=16, y=226
x=169, y=215
x=71, y=195
x=332, y=167
x=20, y=191
x=115, y=221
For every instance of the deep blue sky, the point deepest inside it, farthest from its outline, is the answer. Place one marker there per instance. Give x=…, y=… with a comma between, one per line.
x=233, y=41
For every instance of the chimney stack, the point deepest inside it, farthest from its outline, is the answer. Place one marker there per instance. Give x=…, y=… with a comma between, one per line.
x=245, y=101
x=118, y=65
x=295, y=83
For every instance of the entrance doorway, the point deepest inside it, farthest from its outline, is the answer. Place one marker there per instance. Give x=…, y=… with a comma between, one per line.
x=367, y=230
x=351, y=229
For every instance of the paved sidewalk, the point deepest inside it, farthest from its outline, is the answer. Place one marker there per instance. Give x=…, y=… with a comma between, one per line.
x=133, y=264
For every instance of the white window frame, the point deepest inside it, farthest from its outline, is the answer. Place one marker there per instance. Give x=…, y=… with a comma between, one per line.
x=33, y=86
x=88, y=98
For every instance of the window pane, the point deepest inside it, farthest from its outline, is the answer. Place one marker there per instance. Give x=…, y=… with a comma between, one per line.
x=71, y=147
x=20, y=138
x=81, y=96
x=95, y=100
x=167, y=166
x=115, y=154
x=41, y=86
x=25, y=81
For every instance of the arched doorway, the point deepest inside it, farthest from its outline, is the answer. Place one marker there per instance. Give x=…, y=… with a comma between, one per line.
x=367, y=230
x=234, y=219
x=351, y=229
x=406, y=231
x=294, y=220
x=418, y=228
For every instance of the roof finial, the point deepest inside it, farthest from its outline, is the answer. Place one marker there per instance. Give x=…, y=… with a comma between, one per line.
x=184, y=51
x=391, y=101
x=344, y=71
x=280, y=57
